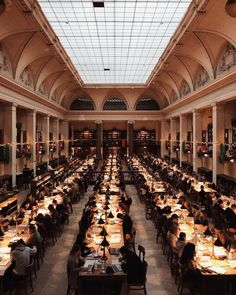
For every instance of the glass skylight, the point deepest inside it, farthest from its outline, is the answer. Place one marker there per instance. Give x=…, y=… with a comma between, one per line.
x=119, y=43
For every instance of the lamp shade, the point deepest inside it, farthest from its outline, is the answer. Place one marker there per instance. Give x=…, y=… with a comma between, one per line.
x=230, y=8
x=105, y=243
x=110, y=215
x=106, y=207
x=103, y=232
x=101, y=221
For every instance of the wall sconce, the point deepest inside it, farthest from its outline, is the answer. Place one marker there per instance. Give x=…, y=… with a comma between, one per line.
x=230, y=8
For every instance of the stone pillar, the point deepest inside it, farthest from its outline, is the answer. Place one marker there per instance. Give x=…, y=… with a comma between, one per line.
x=164, y=136
x=182, y=136
x=31, y=138
x=65, y=137
x=218, y=138
x=99, y=139
x=172, y=137
x=45, y=135
x=56, y=137
x=197, y=134
x=10, y=137
x=130, y=138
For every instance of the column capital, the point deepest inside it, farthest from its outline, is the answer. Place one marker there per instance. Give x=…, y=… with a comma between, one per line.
x=130, y=121
x=98, y=122
x=217, y=107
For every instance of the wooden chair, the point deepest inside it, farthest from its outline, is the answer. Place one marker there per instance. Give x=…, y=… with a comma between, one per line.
x=25, y=280
x=142, y=284
x=141, y=254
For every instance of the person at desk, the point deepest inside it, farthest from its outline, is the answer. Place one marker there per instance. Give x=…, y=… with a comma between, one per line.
x=50, y=168
x=202, y=196
x=34, y=238
x=189, y=267
x=26, y=175
x=132, y=265
x=74, y=263
x=20, y=256
x=4, y=227
x=222, y=239
x=28, y=203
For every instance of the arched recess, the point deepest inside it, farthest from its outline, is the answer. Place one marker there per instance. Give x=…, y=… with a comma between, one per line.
x=168, y=80
x=202, y=77
x=177, y=66
x=60, y=83
x=157, y=93
x=193, y=47
x=147, y=104
x=5, y=63
x=82, y=104
x=115, y=104
x=163, y=91
x=184, y=89
x=15, y=44
x=173, y=96
x=43, y=89
x=26, y=78
x=51, y=67
x=226, y=60
x=34, y=50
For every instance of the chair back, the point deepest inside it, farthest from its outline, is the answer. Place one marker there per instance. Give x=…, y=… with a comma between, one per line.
x=29, y=269
x=141, y=253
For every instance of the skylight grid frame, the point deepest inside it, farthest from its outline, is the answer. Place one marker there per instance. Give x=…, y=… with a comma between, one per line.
x=145, y=26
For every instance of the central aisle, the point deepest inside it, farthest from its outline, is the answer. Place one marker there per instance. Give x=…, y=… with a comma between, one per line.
x=52, y=279
x=159, y=280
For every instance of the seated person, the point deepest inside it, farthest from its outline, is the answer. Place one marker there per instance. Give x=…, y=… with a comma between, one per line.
x=74, y=263
x=172, y=235
x=221, y=237
x=201, y=218
x=232, y=248
x=132, y=265
x=180, y=244
x=20, y=255
x=189, y=267
x=34, y=238
x=4, y=227
x=28, y=203
x=173, y=219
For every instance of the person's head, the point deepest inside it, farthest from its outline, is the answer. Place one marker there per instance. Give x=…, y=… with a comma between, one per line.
x=32, y=229
x=202, y=187
x=30, y=197
x=174, y=218
x=54, y=202
x=182, y=236
x=188, y=253
x=124, y=251
x=51, y=208
x=218, y=229
x=120, y=216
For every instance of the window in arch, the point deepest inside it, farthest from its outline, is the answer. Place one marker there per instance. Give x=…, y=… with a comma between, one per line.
x=82, y=104
x=147, y=104
x=115, y=104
